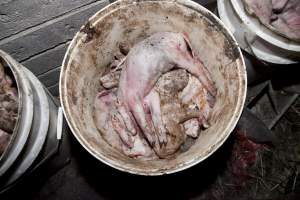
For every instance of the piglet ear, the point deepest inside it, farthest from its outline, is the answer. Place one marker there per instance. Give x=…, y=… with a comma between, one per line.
x=188, y=44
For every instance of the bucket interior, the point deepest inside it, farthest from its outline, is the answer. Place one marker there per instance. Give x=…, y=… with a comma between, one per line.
x=12, y=75
x=93, y=48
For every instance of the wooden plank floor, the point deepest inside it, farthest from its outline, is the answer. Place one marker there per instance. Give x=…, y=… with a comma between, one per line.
x=37, y=32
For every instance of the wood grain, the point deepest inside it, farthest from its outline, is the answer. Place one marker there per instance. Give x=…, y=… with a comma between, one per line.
x=18, y=15
x=38, y=32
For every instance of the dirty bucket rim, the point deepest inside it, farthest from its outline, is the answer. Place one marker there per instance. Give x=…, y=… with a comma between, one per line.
x=25, y=115
x=38, y=133
x=232, y=122
x=7, y=59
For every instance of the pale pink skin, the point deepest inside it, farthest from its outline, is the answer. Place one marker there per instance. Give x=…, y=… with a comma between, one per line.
x=261, y=8
x=282, y=15
x=143, y=66
x=105, y=114
x=172, y=102
x=288, y=21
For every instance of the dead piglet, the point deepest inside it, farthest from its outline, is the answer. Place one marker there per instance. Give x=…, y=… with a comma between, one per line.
x=175, y=110
x=144, y=65
x=112, y=127
x=287, y=20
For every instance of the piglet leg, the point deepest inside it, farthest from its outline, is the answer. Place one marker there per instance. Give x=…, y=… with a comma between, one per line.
x=127, y=118
x=105, y=105
x=119, y=126
x=153, y=101
x=139, y=111
x=186, y=60
x=197, y=68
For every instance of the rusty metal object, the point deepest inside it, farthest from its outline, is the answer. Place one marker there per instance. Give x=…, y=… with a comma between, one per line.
x=91, y=52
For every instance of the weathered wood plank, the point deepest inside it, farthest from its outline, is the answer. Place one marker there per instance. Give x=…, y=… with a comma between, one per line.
x=50, y=78
x=46, y=61
x=54, y=90
x=18, y=15
x=51, y=34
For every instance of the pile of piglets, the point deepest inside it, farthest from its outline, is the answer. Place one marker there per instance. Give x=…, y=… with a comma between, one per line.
x=8, y=108
x=281, y=16
x=154, y=96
